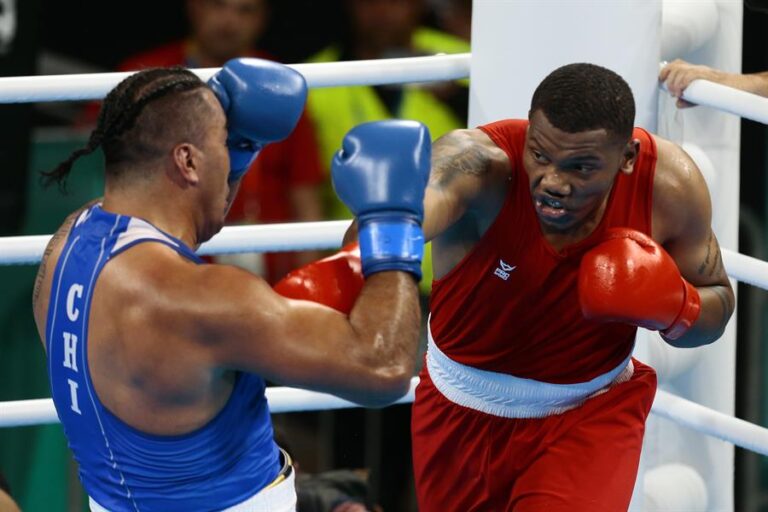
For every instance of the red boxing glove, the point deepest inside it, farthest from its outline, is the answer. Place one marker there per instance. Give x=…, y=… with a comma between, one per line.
x=630, y=278
x=334, y=281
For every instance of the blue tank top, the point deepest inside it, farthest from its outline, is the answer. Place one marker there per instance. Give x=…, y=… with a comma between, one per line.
x=214, y=467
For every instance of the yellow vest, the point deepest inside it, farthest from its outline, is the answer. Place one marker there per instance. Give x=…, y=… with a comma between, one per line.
x=335, y=110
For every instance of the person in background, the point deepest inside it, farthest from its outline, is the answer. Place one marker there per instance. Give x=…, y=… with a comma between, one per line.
x=455, y=17
x=285, y=182
x=379, y=29
x=678, y=74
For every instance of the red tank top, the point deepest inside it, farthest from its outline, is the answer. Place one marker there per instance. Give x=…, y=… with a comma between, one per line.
x=511, y=305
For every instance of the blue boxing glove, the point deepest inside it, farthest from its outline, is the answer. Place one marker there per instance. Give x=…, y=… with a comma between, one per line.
x=263, y=101
x=380, y=174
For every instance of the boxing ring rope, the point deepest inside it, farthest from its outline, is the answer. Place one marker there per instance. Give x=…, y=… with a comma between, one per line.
x=281, y=400
x=41, y=411
x=302, y=236
x=728, y=99
x=708, y=421
x=94, y=86
x=745, y=104
x=16, y=250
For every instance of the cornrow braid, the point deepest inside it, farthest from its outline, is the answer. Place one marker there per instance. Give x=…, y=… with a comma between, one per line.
x=121, y=108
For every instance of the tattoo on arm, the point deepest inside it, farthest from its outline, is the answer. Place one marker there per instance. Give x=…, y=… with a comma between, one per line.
x=52, y=244
x=456, y=158
x=713, y=262
x=43, y=264
x=726, y=303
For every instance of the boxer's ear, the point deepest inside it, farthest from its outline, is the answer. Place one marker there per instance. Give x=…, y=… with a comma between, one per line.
x=186, y=164
x=629, y=156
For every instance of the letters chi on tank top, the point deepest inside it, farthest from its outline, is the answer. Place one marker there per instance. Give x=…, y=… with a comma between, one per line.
x=221, y=464
x=511, y=305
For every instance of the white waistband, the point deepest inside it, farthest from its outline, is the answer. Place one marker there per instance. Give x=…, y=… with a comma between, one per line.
x=279, y=498
x=507, y=396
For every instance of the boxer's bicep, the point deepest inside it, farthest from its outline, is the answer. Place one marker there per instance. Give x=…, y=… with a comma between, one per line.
x=248, y=326
x=683, y=205
x=683, y=210
x=299, y=343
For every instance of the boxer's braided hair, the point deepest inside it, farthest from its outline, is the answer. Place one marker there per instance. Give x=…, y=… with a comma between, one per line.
x=118, y=116
x=581, y=97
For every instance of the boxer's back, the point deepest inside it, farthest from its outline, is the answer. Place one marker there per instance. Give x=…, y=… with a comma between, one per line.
x=140, y=409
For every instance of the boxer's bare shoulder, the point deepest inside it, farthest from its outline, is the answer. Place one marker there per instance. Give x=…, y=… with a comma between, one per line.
x=50, y=257
x=681, y=203
x=468, y=173
x=468, y=152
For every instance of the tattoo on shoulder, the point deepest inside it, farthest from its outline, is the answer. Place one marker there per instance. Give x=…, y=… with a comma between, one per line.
x=53, y=243
x=457, y=157
x=713, y=262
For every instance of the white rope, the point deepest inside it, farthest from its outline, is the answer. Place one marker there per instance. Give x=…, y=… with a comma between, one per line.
x=299, y=400
x=277, y=237
x=301, y=236
x=282, y=400
x=734, y=101
x=710, y=422
x=746, y=268
x=93, y=86
x=17, y=250
x=41, y=411
x=22, y=413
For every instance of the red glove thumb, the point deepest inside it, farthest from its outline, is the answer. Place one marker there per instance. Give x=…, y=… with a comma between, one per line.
x=334, y=281
x=628, y=277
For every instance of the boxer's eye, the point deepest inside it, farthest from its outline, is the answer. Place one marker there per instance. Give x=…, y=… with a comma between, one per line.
x=539, y=157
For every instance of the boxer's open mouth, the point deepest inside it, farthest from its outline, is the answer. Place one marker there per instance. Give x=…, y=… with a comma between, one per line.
x=550, y=208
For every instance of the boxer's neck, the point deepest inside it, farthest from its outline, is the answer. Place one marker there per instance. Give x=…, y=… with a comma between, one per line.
x=167, y=211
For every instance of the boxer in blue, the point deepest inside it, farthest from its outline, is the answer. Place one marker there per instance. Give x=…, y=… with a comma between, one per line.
x=157, y=362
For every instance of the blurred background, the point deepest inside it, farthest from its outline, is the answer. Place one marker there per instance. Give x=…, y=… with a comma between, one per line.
x=363, y=455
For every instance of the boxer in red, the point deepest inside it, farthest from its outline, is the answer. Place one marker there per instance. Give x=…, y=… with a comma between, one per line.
x=553, y=238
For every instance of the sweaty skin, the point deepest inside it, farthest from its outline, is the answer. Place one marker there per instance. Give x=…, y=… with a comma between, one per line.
x=166, y=335
x=468, y=183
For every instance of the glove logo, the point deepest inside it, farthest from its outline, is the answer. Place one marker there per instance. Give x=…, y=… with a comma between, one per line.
x=503, y=270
